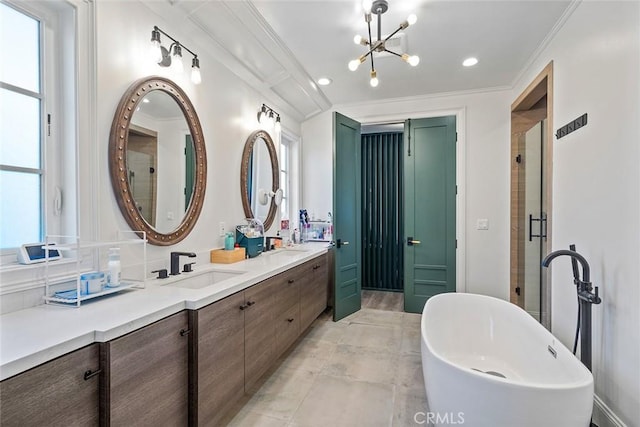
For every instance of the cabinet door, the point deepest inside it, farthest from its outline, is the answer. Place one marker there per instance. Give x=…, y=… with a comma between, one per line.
x=220, y=358
x=55, y=393
x=313, y=292
x=287, y=308
x=148, y=375
x=259, y=330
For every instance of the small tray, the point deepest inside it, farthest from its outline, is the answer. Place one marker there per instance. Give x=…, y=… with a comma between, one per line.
x=221, y=256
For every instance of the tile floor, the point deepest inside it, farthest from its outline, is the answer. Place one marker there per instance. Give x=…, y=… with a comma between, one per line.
x=364, y=370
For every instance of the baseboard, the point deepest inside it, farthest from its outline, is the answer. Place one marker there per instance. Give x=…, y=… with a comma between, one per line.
x=603, y=416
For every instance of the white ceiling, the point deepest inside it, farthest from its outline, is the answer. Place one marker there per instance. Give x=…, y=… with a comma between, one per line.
x=282, y=46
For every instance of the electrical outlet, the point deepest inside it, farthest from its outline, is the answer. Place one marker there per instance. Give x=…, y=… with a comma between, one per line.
x=223, y=228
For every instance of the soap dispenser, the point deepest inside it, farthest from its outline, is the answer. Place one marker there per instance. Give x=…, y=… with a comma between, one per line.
x=114, y=267
x=229, y=242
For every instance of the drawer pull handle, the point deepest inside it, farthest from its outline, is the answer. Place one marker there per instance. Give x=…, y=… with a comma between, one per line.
x=90, y=374
x=250, y=303
x=290, y=320
x=184, y=332
x=291, y=281
x=315, y=267
x=242, y=307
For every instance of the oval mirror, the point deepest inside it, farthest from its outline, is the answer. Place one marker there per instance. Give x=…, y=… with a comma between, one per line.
x=157, y=160
x=259, y=178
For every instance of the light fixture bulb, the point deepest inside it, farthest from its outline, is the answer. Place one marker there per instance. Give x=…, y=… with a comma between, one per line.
x=366, y=5
x=155, y=51
x=412, y=19
x=262, y=115
x=196, y=78
x=272, y=120
x=357, y=39
x=278, y=126
x=374, y=79
x=353, y=65
x=414, y=60
x=470, y=62
x=176, y=59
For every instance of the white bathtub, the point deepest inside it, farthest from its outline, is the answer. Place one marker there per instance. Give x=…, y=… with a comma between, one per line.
x=465, y=335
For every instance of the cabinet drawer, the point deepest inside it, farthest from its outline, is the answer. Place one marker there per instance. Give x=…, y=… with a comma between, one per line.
x=287, y=328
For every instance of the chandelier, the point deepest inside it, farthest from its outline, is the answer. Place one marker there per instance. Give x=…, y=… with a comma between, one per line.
x=378, y=7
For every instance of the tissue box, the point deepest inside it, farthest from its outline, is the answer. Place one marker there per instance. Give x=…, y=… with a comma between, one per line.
x=221, y=256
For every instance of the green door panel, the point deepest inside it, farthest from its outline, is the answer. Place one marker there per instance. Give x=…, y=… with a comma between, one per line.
x=346, y=208
x=430, y=210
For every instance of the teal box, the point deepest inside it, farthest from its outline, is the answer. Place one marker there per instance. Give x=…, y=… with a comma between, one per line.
x=252, y=245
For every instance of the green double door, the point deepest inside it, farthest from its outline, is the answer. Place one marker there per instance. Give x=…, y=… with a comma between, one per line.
x=429, y=212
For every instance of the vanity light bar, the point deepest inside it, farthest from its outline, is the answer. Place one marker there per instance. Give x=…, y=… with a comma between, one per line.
x=267, y=114
x=164, y=56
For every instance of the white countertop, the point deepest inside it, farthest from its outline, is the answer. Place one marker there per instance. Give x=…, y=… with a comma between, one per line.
x=36, y=335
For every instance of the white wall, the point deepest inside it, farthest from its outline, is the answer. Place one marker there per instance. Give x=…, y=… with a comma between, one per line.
x=483, y=143
x=226, y=107
x=596, y=188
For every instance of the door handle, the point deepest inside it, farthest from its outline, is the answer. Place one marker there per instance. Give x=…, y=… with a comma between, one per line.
x=411, y=242
x=339, y=243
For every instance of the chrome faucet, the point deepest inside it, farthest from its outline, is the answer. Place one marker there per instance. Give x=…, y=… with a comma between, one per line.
x=175, y=261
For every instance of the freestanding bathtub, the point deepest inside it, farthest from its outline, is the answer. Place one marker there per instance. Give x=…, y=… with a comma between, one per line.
x=488, y=363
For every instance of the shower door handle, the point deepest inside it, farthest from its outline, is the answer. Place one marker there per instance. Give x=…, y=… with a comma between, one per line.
x=411, y=242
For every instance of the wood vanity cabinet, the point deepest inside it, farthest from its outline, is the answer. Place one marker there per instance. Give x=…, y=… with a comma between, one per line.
x=146, y=380
x=235, y=346
x=237, y=339
x=313, y=290
x=55, y=393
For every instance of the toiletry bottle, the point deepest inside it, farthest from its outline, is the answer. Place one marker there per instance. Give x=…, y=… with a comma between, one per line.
x=229, y=242
x=114, y=267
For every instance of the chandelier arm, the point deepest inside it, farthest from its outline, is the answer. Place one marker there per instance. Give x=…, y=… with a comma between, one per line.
x=393, y=34
x=392, y=52
x=370, y=39
x=372, y=67
x=380, y=26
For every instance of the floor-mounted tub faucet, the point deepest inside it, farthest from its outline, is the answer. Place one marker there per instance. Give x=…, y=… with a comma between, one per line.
x=585, y=296
x=175, y=261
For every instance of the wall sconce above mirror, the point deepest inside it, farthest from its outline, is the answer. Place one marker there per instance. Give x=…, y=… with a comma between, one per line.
x=158, y=160
x=267, y=116
x=172, y=57
x=260, y=178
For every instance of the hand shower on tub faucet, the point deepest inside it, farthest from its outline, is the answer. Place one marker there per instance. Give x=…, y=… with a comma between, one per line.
x=585, y=299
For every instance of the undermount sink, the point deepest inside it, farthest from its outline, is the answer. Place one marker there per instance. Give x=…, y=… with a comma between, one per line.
x=203, y=280
x=287, y=252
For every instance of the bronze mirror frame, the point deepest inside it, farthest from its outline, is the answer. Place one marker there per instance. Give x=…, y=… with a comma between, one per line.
x=244, y=170
x=118, y=141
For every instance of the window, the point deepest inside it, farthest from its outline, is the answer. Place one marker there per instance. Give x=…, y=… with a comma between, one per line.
x=284, y=177
x=38, y=120
x=21, y=129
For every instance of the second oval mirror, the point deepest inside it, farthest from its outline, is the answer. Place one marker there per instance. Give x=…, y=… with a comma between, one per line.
x=259, y=178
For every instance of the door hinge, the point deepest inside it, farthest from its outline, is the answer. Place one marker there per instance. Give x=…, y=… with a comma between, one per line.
x=456, y=243
x=519, y=158
x=48, y=124
x=456, y=189
x=518, y=290
x=456, y=136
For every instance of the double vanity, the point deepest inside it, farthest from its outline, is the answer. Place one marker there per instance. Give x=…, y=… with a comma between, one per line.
x=184, y=350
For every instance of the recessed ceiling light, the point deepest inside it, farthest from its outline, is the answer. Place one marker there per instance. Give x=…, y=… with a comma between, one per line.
x=324, y=81
x=470, y=62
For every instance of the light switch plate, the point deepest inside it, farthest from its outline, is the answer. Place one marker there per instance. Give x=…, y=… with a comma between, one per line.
x=223, y=228
x=482, y=224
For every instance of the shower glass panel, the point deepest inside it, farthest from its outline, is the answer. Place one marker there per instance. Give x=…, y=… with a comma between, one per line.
x=535, y=220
